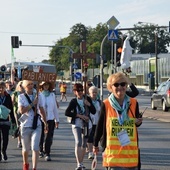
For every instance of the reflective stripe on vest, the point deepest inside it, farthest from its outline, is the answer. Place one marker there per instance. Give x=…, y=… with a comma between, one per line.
x=116, y=155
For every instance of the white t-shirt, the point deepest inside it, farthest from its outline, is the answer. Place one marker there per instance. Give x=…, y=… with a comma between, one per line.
x=28, y=116
x=50, y=107
x=95, y=117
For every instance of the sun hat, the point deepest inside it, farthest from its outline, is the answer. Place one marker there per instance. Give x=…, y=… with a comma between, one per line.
x=44, y=82
x=51, y=85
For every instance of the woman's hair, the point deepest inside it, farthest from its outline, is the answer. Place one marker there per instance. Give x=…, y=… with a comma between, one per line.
x=93, y=88
x=77, y=86
x=26, y=82
x=18, y=86
x=119, y=76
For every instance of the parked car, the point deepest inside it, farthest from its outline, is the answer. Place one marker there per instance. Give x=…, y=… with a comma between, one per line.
x=161, y=97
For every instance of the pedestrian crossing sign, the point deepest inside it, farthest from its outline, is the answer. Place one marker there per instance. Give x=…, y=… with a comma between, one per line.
x=74, y=66
x=113, y=35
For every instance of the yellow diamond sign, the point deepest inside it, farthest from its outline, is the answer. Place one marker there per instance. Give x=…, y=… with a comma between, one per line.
x=112, y=22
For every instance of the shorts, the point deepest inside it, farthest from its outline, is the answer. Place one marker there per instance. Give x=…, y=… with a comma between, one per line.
x=30, y=137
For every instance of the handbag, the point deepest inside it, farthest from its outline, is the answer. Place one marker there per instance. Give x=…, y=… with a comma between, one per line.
x=16, y=132
x=35, y=119
x=4, y=112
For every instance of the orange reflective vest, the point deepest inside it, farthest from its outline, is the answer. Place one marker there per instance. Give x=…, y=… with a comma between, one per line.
x=116, y=155
x=63, y=88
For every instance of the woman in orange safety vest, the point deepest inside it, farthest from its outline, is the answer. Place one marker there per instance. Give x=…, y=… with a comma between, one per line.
x=119, y=119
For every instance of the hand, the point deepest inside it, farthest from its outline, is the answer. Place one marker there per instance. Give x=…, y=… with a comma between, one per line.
x=95, y=149
x=45, y=128
x=85, y=118
x=56, y=125
x=138, y=121
x=86, y=103
x=35, y=101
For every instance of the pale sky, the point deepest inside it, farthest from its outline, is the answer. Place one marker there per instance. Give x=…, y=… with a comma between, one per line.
x=43, y=22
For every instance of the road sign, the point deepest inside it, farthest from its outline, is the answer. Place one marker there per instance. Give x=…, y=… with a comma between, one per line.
x=113, y=35
x=74, y=66
x=77, y=75
x=113, y=22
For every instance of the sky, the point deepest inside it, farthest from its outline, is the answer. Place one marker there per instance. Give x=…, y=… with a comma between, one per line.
x=43, y=22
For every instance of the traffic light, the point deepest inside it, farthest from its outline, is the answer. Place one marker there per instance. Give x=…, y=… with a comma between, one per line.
x=15, y=41
x=119, y=51
x=3, y=68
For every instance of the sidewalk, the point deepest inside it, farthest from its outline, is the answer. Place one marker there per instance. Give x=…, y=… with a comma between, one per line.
x=161, y=115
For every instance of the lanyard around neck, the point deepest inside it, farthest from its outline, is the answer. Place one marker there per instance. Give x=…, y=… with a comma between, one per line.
x=2, y=99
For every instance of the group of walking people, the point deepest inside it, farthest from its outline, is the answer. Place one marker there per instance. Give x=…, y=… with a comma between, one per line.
x=108, y=122
x=35, y=112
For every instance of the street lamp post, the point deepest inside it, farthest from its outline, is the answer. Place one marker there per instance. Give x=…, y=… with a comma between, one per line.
x=101, y=67
x=156, y=58
x=156, y=52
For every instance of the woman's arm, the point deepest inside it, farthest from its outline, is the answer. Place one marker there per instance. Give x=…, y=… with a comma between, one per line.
x=138, y=116
x=92, y=108
x=134, y=91
x=99, y=132
x=10, y=104
x=71, y=109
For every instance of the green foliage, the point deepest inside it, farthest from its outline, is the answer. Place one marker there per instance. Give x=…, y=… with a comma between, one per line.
x=142, y=40
x=145, y=35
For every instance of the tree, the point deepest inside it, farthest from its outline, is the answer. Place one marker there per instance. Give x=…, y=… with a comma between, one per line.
x=94, y=40
x=61, y=52
x=144, y=39
x=78, y=33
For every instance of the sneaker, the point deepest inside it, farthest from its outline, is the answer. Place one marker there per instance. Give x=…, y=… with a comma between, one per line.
x=41, y=155
x=47, y=158
x=79, y=168
x=83, y=167
x=25, y=166
x=90, y=155
x=4, y=156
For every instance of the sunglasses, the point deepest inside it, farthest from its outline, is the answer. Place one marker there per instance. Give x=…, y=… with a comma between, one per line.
x=79, y=90
x=120, y=84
